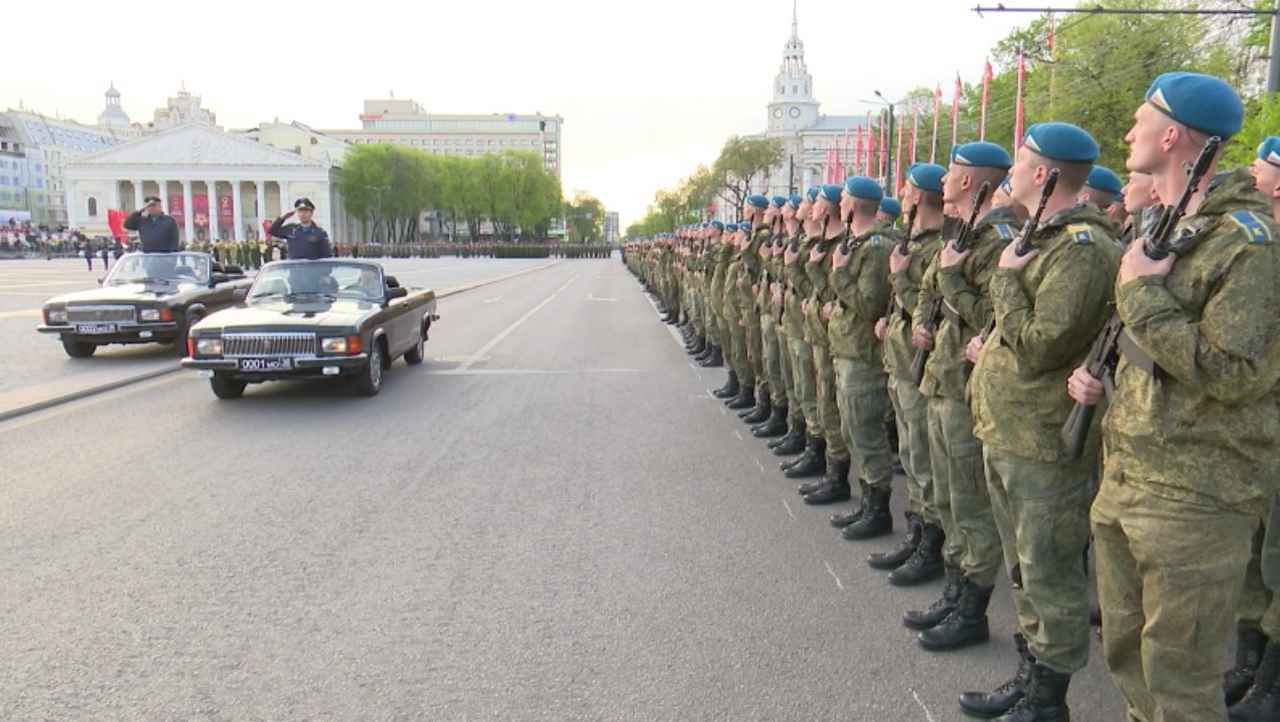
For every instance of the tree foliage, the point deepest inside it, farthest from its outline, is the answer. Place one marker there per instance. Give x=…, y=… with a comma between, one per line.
x=584, y=215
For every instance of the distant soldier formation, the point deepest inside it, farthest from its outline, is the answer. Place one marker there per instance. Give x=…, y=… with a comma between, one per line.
x=1051, y=360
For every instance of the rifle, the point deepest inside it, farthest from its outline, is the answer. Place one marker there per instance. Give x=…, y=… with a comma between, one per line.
x=1105, y=354
x=901, y=249
x=934, y=318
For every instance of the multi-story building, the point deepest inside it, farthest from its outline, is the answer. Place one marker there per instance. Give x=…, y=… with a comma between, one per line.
x=405, y=122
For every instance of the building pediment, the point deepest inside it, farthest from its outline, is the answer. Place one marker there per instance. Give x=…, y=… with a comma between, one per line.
x=195, y=144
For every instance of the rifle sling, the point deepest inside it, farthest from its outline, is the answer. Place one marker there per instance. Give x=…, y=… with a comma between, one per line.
x=950, y=313
x=1137, y=356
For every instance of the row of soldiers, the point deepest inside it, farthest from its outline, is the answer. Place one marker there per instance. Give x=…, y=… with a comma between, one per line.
x=1008, y=307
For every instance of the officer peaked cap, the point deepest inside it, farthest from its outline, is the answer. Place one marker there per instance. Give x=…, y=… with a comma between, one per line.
x=304, y=204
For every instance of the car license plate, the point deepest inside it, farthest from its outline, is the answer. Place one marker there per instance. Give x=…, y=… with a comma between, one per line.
x=266, y=364
x=95, y=328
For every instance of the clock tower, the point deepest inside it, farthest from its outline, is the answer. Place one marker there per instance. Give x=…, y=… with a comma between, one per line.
x=793, y=107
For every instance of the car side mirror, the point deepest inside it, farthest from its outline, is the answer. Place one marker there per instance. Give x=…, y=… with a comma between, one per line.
x=215, y=278
x=240, y=294
x=392, y=282
x=394, y=293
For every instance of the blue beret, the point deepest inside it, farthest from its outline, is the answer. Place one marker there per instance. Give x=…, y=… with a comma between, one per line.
x=890, y=206
x=1119, y=198
x=758, y=201
x=731, y=227
x=1198, y=101
x=779, y=201
x=981, y=154
x=860, y=186
x=926, y=176
x=717, y=225
x=1007, y=185
x=1104, y=179
x=1269, y=150
x=795, y=200
x=812, y=192
x=1061, y=141
x=831, y=192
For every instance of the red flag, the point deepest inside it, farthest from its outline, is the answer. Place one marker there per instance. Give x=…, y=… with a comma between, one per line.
x=986, y=86
x=884, y=147
x=115, y=221
x=1017, y=113
x=955, y=111
x=844, y=154
x=915, y=121
x=871, y=148
x=897, y=163
x=857, y=148
x=937, y=113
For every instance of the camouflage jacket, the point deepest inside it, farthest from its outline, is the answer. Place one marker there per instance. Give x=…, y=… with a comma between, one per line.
x=1047, y=317
x=898, y=351
x=862, y=292
x=820, y=290
x=1205, y=429
x=799, y=286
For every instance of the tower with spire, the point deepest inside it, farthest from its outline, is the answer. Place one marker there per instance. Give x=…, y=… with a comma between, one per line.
x=113, y=116
x=793, y=106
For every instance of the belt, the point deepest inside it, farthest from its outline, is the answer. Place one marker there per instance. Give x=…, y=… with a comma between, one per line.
x=1137, y=356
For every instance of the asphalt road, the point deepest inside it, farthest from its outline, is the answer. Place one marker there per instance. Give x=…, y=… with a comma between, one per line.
x=550, y=519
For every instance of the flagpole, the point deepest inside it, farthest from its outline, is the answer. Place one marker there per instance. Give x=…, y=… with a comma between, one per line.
x=937, y=111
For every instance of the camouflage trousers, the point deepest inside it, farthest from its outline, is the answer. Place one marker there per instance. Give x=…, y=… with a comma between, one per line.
x=805, y=396
x=736, y=356
x=1168, y=572
x=1259, y=602
x=910, y=413
x=862, y=395
x=772, y=357
x=828, y=412
x=1041, y=510
x=961, y=498
x=755, y=347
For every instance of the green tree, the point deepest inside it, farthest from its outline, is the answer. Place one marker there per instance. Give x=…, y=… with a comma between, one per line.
x=741, y=160
x=584, y=216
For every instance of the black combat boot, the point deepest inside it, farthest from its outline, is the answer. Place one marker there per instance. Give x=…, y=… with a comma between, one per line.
x=876, y=519
x=745, y=399
x=794, y=429
x=965, y=626
x=730, y=388
x=926, y=564
x=1046, y=699
x=774, y=426
x=696, y=347
x=713, y=360
x=841, y=521
x=835, y=485
x=1250, y=644
x=941, y=609
x=813, y=462
x=761, y=411
x=905, y=549
x=793, y=442
x=989, y=705
x=1262, y=702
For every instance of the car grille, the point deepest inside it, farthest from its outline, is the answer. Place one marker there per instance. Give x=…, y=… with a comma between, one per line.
x=98, y=314
x=269, y=344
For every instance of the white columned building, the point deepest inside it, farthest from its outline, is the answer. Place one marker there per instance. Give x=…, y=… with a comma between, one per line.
x=197, y=161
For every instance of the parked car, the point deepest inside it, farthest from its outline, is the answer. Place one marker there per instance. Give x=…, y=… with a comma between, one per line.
x=331, y=318
x=146, y=298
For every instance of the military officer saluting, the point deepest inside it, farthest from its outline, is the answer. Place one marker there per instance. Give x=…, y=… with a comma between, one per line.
x=304, y=239
x=157, y=232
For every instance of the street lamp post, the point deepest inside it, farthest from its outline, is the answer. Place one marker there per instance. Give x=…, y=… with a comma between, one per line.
x=377, y=217
x=891, y=185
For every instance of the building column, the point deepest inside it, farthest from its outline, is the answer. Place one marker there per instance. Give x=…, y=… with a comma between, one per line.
x=113, y=195
x=286, y=197
x=260, y=188
x=188, y=219
x=211, y=191
x=326, y=214
x=137, y=195
x=71, y=204
x=237, y=213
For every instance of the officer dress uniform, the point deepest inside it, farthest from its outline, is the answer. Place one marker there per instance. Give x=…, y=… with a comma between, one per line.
x=308, y=241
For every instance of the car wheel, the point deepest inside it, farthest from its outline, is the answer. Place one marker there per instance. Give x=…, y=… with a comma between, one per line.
x=369, y=382
x=417, y=353
x=79, y=349
x=225, y=387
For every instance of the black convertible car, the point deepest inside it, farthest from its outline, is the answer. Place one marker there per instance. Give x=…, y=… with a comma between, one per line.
x=331, y=318
x=146, y=298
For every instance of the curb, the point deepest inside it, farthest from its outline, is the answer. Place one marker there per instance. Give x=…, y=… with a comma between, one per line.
x=149, y=375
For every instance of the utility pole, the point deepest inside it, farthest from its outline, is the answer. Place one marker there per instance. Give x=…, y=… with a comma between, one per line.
x=377, y=217
x=890, y=187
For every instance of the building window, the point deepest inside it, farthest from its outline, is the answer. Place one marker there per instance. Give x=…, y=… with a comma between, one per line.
x=93, y=206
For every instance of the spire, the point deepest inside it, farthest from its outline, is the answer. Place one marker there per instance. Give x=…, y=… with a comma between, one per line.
x=795, y=33
x=793, y=81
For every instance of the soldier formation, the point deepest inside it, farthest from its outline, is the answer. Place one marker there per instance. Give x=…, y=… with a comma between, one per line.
x=1020, y=294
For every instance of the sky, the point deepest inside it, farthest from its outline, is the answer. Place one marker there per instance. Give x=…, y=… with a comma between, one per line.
x=649, y=89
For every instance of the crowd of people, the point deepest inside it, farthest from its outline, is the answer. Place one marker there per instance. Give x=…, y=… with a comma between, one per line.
x=1021, y=292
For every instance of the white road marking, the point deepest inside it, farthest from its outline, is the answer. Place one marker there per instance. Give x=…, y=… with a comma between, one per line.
x=495, y=299
x=532, y=372
x=792, y=513
x=566, y=283
x=738, y=434
x=832, y=572
x=505, y=332
x=30, y=312
x=927, y=714
x=591, y=297
x=759, y=464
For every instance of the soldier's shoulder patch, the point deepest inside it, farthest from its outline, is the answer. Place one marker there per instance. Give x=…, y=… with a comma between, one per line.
x=1080, y=232
x=1254, y=227
x=876, y=239
x=1005, y=230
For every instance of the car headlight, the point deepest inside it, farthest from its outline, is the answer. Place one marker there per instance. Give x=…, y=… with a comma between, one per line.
x=208, y=347
x=333, y=345
x=155, y=314
x=55, y=315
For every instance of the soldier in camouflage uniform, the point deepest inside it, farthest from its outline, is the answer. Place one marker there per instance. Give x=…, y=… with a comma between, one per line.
x=1192, y=430
x=1049, y=305
x=922, y=199
x=804, y=400
x=758, y=322
x=960, y=282
x=772, y=331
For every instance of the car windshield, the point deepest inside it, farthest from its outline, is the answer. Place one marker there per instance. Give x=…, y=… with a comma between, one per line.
x=160, y=268
x=306, y=280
